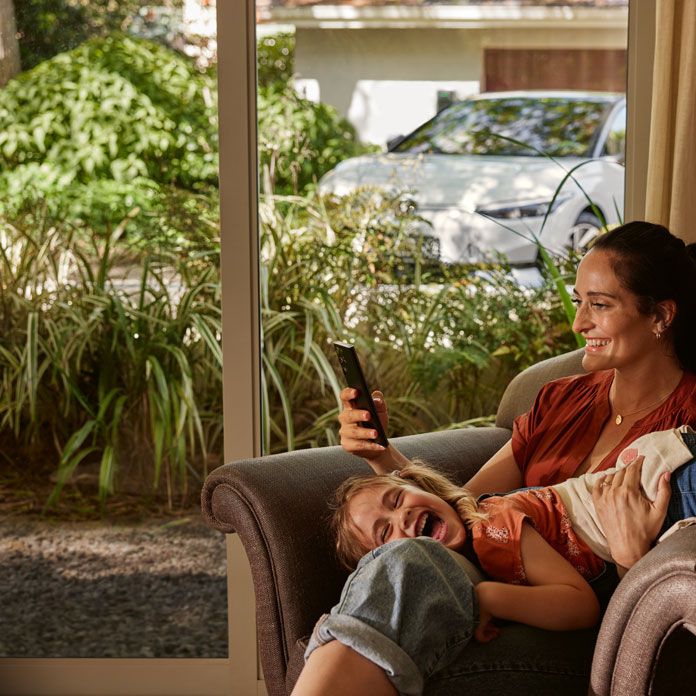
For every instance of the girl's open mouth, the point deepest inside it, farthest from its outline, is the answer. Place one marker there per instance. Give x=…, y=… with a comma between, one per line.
x=432, y=526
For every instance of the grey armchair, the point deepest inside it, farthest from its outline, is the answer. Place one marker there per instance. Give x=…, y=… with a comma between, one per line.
x=277, y=504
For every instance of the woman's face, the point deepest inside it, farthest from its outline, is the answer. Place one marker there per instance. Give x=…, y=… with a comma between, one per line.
x=388, y=512
x=617, y=335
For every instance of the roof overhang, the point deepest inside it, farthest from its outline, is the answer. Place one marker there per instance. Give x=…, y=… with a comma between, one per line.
x=447, y=17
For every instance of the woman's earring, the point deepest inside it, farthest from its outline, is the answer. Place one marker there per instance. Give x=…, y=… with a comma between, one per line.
x=658, y=335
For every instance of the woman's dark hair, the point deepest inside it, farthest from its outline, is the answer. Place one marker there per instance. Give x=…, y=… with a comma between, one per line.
x=655, y=265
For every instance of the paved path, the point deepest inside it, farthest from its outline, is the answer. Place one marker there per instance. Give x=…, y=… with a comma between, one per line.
x=95, y=590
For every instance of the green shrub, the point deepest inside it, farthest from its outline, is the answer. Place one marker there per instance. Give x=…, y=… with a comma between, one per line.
x=155, y=217
x=126, y=374
x=300, y=140
x=275, y=58
x=114, y=108
x=108, y=166
x=118, y=128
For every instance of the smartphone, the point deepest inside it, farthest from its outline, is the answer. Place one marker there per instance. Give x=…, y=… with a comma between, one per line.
x=355, y=378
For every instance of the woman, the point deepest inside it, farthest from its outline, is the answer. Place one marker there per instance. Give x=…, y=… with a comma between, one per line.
x=635, y=295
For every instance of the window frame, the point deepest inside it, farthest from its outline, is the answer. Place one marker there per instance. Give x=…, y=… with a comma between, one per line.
x=240, y=674
x=239, y=269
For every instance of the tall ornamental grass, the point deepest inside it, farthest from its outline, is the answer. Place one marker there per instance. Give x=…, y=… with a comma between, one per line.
x=113, y=366
x=110, y=360
x=110, y=357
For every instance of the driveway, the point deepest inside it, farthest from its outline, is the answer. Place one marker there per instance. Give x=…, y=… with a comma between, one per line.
x=90, y=589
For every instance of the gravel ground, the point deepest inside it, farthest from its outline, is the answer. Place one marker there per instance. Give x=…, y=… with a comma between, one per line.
x=92, y=589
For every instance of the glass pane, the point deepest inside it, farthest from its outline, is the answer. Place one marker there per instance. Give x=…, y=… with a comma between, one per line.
x=434, y=252
x=110, y=360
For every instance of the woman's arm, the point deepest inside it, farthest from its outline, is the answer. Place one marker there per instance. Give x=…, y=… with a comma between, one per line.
x=499, y=474
x=557, y=597
x=359, y=441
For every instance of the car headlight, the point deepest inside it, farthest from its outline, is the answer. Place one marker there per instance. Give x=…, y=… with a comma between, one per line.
x=526, y=209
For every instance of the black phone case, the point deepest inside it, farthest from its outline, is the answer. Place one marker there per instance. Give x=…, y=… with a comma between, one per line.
x=355, y=378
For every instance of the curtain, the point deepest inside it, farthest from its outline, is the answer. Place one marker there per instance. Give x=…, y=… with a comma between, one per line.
x=671, y=185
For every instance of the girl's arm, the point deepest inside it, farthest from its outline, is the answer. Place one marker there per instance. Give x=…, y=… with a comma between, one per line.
x=498, y=475
x=557, y=597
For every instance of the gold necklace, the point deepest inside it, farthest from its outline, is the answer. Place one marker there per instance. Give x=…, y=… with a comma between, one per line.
x=620, y=417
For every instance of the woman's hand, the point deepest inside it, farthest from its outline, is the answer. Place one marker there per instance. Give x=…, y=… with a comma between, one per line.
x=630, y=521
x=359, y=441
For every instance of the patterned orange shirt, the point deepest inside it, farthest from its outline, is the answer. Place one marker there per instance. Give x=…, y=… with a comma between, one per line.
x=496, y=541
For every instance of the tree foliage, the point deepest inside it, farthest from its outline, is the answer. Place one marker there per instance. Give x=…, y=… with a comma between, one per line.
x=49, y=27
x=275, y=58
x=113, y=108
x=112, y=146
x=115, y=125
x=300, y=140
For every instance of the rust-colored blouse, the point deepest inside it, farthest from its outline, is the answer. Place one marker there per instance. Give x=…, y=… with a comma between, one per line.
x=557, y=434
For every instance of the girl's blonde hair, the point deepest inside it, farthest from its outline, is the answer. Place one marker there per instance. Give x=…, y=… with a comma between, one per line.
x=350, y=548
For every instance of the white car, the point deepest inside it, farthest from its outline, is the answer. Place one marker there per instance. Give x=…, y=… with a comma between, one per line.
x=483, y=173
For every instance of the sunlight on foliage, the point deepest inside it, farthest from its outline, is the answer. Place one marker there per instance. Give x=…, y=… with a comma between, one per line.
x=110, y=319
x=115, y=108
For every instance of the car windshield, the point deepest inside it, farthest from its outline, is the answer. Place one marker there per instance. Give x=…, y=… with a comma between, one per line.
x=526, y=126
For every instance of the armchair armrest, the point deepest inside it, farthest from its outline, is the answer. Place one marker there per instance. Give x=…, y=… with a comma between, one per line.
x=278, y=506
x=651, y=616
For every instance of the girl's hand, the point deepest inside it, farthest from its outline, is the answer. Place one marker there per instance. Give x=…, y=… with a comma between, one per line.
x=485, y=630
x=630, y=521
x=354, y=438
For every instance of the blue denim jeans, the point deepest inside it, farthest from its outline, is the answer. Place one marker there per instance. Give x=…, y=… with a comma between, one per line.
x=409, y=607
x=682, y=503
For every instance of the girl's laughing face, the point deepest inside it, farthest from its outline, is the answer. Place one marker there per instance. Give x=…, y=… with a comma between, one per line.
x=388, y=512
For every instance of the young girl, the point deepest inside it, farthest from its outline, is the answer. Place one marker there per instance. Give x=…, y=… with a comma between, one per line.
x=540, y=546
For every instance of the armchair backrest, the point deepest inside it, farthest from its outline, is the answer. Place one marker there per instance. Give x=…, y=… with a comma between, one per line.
x=522, y=390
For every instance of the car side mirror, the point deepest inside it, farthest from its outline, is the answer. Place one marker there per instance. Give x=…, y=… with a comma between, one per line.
x=394, y=142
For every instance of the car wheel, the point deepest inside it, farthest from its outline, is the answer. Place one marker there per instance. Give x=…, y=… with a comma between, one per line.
x=585, y=230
